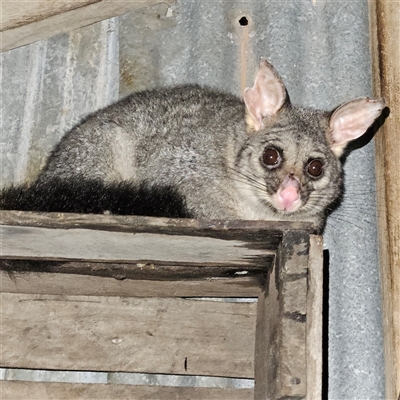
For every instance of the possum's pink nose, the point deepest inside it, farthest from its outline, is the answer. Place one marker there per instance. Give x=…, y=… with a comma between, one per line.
x=288, y=196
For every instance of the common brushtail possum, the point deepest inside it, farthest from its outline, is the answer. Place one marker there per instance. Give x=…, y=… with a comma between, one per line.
x=224, y=157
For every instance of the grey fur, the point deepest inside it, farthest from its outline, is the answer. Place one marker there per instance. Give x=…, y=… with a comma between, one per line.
x=196, y=141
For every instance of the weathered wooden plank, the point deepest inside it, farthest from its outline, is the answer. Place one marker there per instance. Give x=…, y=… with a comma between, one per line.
x=280, y=358
x=293, y=271
x=93, y=245
x=143, y=271
x=28, y=22
x=141, y=240
x=267, y=329
x=385, y=33
x=18, y=13
x=314, y=319
x=268, y=233
x=171, y=336
x=86, y=285
x=248, y=245
x=55, y=391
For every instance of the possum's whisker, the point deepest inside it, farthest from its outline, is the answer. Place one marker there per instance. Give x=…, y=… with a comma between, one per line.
x=335, y=217
x=248, y=178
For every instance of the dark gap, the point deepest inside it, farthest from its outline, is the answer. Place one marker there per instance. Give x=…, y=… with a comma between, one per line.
x=243, y=21
x=325, y=326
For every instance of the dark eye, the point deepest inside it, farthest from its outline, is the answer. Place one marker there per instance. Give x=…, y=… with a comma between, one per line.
x=314, y=168
x=271, y=157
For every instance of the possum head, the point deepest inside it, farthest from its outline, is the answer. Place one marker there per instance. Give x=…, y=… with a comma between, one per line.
x=290, y=166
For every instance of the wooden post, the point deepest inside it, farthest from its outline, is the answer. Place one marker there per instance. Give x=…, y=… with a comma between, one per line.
x=288, y=359
x=385, y=36
x=314, y=318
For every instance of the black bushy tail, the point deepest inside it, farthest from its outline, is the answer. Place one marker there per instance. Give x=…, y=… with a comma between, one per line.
x=94, y=197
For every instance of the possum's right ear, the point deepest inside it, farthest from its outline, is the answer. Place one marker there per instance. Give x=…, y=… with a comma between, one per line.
x=266, y=97
x=351, y=120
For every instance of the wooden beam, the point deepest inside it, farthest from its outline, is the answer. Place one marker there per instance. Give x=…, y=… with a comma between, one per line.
x=314, y=318
x=146, y=248
x=147, y=335
x=385, y=34
x=144, y=240
x=27, y=22
x=83, y=391
x=268, y=233
x=281, y=330
x=76, y=284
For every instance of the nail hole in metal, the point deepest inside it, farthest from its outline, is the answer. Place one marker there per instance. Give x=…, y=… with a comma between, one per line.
x=243, y=21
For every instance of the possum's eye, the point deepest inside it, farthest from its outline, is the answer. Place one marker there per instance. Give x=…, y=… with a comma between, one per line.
x=271, y=157
x=315, y=168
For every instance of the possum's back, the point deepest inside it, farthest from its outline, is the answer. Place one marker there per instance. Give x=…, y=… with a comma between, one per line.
x=150, y=136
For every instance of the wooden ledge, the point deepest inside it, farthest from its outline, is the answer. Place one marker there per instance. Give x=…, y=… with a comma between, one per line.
x=25, y=22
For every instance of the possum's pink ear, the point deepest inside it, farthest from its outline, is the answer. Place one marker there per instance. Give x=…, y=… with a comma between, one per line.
x=266, y=97
x=351, y=120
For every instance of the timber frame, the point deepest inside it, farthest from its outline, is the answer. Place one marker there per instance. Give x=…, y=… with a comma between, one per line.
x=385, y=51
x=69, y=283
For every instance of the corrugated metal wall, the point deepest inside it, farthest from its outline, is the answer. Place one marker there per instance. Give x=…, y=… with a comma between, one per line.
x=321, y=49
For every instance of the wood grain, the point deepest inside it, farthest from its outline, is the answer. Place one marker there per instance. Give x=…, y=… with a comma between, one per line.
x=385, y=34
x=43, y=19
x=267, y=232
x=314, y=319
x=16, y=14
x=169, y=336
x=68, y=391
x=152, y=248
x=109, y=256
x=280, y=352
x=74, y=284
x=137, y=271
